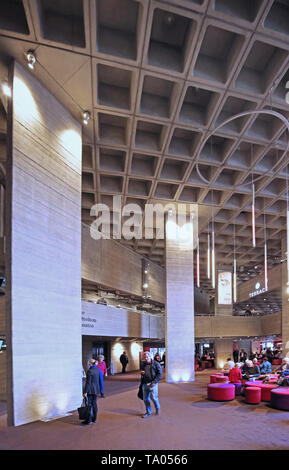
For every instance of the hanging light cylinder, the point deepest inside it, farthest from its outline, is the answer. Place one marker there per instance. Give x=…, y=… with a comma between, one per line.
x=253, y=217
x=198, y=263
x=265, y=256
x=235, y=271
x=208, y=259
x=213, y=260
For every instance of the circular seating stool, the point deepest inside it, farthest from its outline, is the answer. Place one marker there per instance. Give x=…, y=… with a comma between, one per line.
x=251, y=383
x=213, y=378
x=266, y=391
x=221, y=379
x=221, y=392
x=238, y=389
x=280, y=398
x=253, y=395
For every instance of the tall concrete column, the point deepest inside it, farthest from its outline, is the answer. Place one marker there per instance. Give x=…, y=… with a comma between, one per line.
x=43, y=254
x=285, y=303
x=223, y=349
x=180, y=342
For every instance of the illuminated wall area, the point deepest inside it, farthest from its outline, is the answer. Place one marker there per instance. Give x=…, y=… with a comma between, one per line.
x=44, y=238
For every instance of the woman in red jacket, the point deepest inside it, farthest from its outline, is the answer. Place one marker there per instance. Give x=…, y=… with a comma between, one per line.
x=101, y=365
x=235, y=375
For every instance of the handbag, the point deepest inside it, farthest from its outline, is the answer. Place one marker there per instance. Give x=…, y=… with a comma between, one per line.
x=140, y=394
x=84, y=410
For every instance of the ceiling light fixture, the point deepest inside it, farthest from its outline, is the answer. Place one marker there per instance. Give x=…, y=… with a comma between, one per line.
x=265, y=255
x=287, y=225
x=208, y=257
x=85, y=117
x=213, y=248
x=235, y=271
x=6, y=89
x=198, y=262
x=31, y=59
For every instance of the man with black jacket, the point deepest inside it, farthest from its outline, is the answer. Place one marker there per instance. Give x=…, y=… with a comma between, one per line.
x=151, y=372
x=92, y=389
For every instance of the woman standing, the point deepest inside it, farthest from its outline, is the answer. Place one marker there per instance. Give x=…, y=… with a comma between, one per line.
x=101, y=365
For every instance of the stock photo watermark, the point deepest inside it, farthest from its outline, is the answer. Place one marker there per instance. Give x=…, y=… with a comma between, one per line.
x=132, y=221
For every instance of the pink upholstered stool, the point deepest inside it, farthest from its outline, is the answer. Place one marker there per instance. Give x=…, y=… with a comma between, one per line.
x=266, y=391
x=221, y=379
x=221, y=392
x=280, y=398
x=253, y=395
x=213, y=378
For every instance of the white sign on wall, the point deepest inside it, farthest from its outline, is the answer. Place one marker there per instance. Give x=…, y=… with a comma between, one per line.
x=224, y=287
x=258, y=290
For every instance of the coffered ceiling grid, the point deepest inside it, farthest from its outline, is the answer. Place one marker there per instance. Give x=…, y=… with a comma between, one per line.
x=157, y=77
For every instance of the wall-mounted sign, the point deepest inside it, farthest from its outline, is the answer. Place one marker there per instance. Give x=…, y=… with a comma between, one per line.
x=258, y=290
x=224, y=287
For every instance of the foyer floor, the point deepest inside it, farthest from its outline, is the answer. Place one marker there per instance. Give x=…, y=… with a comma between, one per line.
x=187, y=421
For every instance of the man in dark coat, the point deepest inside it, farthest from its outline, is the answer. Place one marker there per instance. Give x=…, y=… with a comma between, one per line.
x=124, y=361
x=93, y=386
x=151, y=372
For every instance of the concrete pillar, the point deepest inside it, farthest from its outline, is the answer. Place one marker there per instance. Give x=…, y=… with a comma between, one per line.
x=285, y=303
x=223, y=349
x=43, y=254
x=223, y=291
x=180, y=347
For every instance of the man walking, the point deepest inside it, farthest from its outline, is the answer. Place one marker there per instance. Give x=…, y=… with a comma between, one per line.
x=151, y=372
x=124, y=361
x=93, y=387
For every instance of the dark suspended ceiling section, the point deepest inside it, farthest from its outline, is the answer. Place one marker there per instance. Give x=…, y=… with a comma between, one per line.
x=157, y=76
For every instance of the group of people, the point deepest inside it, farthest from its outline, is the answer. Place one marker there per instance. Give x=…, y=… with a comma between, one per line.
x=151, y=373
x=253, y=369
x=242, y=356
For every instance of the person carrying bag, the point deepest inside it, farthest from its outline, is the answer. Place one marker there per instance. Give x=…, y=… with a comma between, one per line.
x=84, y=410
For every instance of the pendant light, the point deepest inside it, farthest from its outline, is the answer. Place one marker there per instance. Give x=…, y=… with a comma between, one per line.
x=198, y=262
x=287, y=231
x=253, y=207
x=213, y=248
x=208, y=256
x=235, y=271
x=265, y=255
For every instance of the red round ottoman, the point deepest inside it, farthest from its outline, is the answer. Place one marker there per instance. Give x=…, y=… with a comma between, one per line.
x=213, y=378
x=221, y=379
x=221, y=392
x=253, y=395
x=266, y=391
x=280, y=398
x=256, y=383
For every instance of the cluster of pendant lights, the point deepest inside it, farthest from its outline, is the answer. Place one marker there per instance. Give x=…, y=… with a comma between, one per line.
x=31, y=61
x=211, y=246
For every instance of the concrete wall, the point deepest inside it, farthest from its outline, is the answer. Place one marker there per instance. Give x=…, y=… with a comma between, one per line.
x=43, y=254
x=274, y=282
x=102, y=320
x=234, y=327
x=103, y=262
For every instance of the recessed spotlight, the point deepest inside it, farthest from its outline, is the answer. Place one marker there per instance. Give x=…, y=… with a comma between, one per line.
x=85, y=117
x=31, y=59
x=145, y=285
x=6, y=89
x=169, y=19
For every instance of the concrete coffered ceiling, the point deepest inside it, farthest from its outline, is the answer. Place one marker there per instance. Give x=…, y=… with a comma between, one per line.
x=157, y=77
